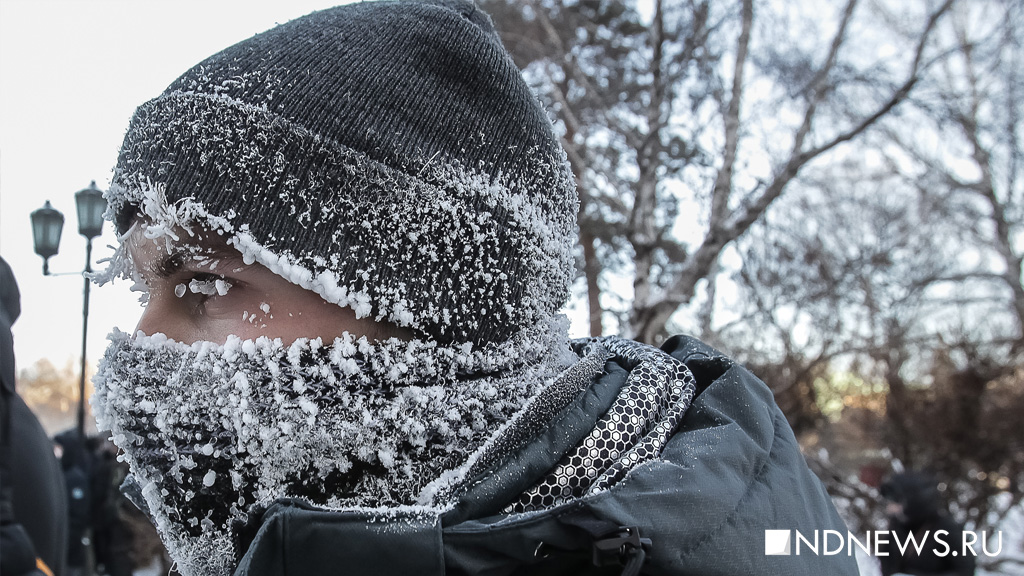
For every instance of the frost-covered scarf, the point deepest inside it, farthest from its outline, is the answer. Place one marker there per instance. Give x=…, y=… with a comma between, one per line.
x=210, y=430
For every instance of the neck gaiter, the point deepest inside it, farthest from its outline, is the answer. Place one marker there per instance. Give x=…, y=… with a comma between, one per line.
x=211, y=430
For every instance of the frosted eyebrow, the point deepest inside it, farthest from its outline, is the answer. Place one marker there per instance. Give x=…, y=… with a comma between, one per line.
x=166, y=267
x=177, y=260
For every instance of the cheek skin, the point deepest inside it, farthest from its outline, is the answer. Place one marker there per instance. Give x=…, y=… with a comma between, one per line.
x=166, y=314
x=301, y=314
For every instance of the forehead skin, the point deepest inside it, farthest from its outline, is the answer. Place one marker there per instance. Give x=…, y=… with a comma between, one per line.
x=185, y=305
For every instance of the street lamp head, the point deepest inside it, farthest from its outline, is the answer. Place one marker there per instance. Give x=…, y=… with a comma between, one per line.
x=47, y=224
x=91, y=206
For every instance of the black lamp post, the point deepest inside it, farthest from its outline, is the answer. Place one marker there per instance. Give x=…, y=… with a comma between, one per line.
x=47, y=223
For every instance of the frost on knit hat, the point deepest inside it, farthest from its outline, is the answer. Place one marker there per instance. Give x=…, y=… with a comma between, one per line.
x=386, y=155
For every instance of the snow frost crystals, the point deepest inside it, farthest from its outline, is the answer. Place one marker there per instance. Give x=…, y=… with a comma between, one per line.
x=283, y=420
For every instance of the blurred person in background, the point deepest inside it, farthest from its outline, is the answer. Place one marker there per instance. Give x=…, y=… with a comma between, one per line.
x=76, y=462
x=914, y=507
x=33, y=509
x=112, y=539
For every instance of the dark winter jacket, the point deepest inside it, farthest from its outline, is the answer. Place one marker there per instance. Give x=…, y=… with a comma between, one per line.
x=923, y=513
x=731, y=470
x=32, y=506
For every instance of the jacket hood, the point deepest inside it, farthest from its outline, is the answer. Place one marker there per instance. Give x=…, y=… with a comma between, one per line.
x=10, y=309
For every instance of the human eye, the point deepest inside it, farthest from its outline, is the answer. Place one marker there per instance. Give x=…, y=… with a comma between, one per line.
x=202, y=292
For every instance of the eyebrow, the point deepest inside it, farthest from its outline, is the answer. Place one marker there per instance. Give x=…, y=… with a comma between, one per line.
x=177, y=260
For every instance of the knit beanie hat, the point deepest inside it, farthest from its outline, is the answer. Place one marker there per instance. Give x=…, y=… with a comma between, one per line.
x=386, y=155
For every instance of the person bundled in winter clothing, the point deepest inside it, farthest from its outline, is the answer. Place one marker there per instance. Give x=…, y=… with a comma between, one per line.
x=33, y=508
x=914, y=509
x=354, y=233
x=76, y=462
x=112, y=539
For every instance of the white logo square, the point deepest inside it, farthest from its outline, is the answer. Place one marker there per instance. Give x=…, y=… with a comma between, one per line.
x=777, y=542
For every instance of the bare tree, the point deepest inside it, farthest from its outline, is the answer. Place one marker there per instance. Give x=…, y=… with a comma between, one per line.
x=684, y=125
x=838, y=272
x=52, y=392
x=613, y=80
x=966, y=150
x=963, y=155
x=852, y=275
x=901, y=262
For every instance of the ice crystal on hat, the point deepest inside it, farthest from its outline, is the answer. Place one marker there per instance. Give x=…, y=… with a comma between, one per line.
x=451, y=212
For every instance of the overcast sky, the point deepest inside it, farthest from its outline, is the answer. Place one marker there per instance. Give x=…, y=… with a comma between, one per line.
x=71, y=74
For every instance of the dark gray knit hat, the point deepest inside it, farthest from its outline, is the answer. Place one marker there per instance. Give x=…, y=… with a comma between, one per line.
x=387, y=155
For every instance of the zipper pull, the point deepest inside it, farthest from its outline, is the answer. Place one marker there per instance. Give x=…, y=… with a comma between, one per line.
x=623, y=546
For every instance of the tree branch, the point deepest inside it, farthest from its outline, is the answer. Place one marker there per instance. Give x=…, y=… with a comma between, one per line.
x=901, y=93
x=722, y=189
